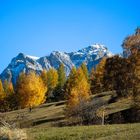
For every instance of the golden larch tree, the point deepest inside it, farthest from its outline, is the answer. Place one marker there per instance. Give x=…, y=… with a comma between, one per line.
x=71, y=82
x=97, y=81
x=2, y=93
x=79, y=90
x=59, y=90
x=52, y=81
x=31, y=90
x=85, y=70
x=44, y=77
x=1, y=87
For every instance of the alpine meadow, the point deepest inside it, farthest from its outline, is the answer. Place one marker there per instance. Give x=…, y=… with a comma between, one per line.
x=69, y=92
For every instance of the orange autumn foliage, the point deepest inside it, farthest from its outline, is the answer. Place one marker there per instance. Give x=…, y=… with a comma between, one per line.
x=31, y=90
x=79, y=89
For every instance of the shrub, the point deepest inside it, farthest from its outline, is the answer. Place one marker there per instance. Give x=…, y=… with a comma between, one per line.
x=12, y=134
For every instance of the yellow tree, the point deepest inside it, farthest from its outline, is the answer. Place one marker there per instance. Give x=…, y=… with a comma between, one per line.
x=8, y=100
x=100, y=67
x=61, y=76
x=52, y=78
x=11, y=96
x=59, y=90
x=31, y=90
x=97, y=81
x=4, y=106
x=8, y=87
x=11, y=88
x=52, y=81
x=1, y=87
x=92, y=80
x=2, y=93
x=79, y=90
x=44, y=77
x=85, y=70
x=71, y=82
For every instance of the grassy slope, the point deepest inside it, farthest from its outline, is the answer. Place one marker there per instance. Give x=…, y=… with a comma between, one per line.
x=51, y=113
x=107, y=132
x=122, y=104
x=45, y=115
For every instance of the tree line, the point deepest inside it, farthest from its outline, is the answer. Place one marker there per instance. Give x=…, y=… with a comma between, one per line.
x=115, y=73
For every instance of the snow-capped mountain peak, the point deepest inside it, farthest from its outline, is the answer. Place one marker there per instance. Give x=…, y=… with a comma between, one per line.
x=91, y=55
x=32, y=57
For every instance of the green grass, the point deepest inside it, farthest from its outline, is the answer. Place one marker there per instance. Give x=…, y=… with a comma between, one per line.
x=43, y=118
x=52, y=113
x=107, y=132
x=121, y=105
x=45, y=114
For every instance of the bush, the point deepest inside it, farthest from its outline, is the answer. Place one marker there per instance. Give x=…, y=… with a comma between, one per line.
x=12, y=134
x=83, y=113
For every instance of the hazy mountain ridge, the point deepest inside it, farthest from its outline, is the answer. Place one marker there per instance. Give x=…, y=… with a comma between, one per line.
x=91, y=55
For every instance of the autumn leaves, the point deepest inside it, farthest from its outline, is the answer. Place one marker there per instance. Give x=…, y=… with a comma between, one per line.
x=77, y=87
x=30, y=89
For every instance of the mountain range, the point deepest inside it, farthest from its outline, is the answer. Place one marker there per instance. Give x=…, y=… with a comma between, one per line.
x=90, y=55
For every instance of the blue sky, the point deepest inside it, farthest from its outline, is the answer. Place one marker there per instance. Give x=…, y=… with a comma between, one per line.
x=37, y=27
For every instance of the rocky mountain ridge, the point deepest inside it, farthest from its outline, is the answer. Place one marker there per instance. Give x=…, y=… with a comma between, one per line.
x=90, y=55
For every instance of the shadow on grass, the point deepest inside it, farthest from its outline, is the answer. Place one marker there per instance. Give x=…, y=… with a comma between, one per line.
x=38, y=122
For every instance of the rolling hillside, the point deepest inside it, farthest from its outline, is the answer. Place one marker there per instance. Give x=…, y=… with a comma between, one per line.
x=43, y=121
x=52, y=113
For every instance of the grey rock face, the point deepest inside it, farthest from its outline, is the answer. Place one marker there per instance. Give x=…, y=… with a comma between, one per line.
x=25, y=63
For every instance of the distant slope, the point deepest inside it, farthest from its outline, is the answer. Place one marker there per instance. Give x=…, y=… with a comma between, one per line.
x=91, y=55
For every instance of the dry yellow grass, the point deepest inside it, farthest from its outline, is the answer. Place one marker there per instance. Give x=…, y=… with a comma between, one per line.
x=12, y=134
